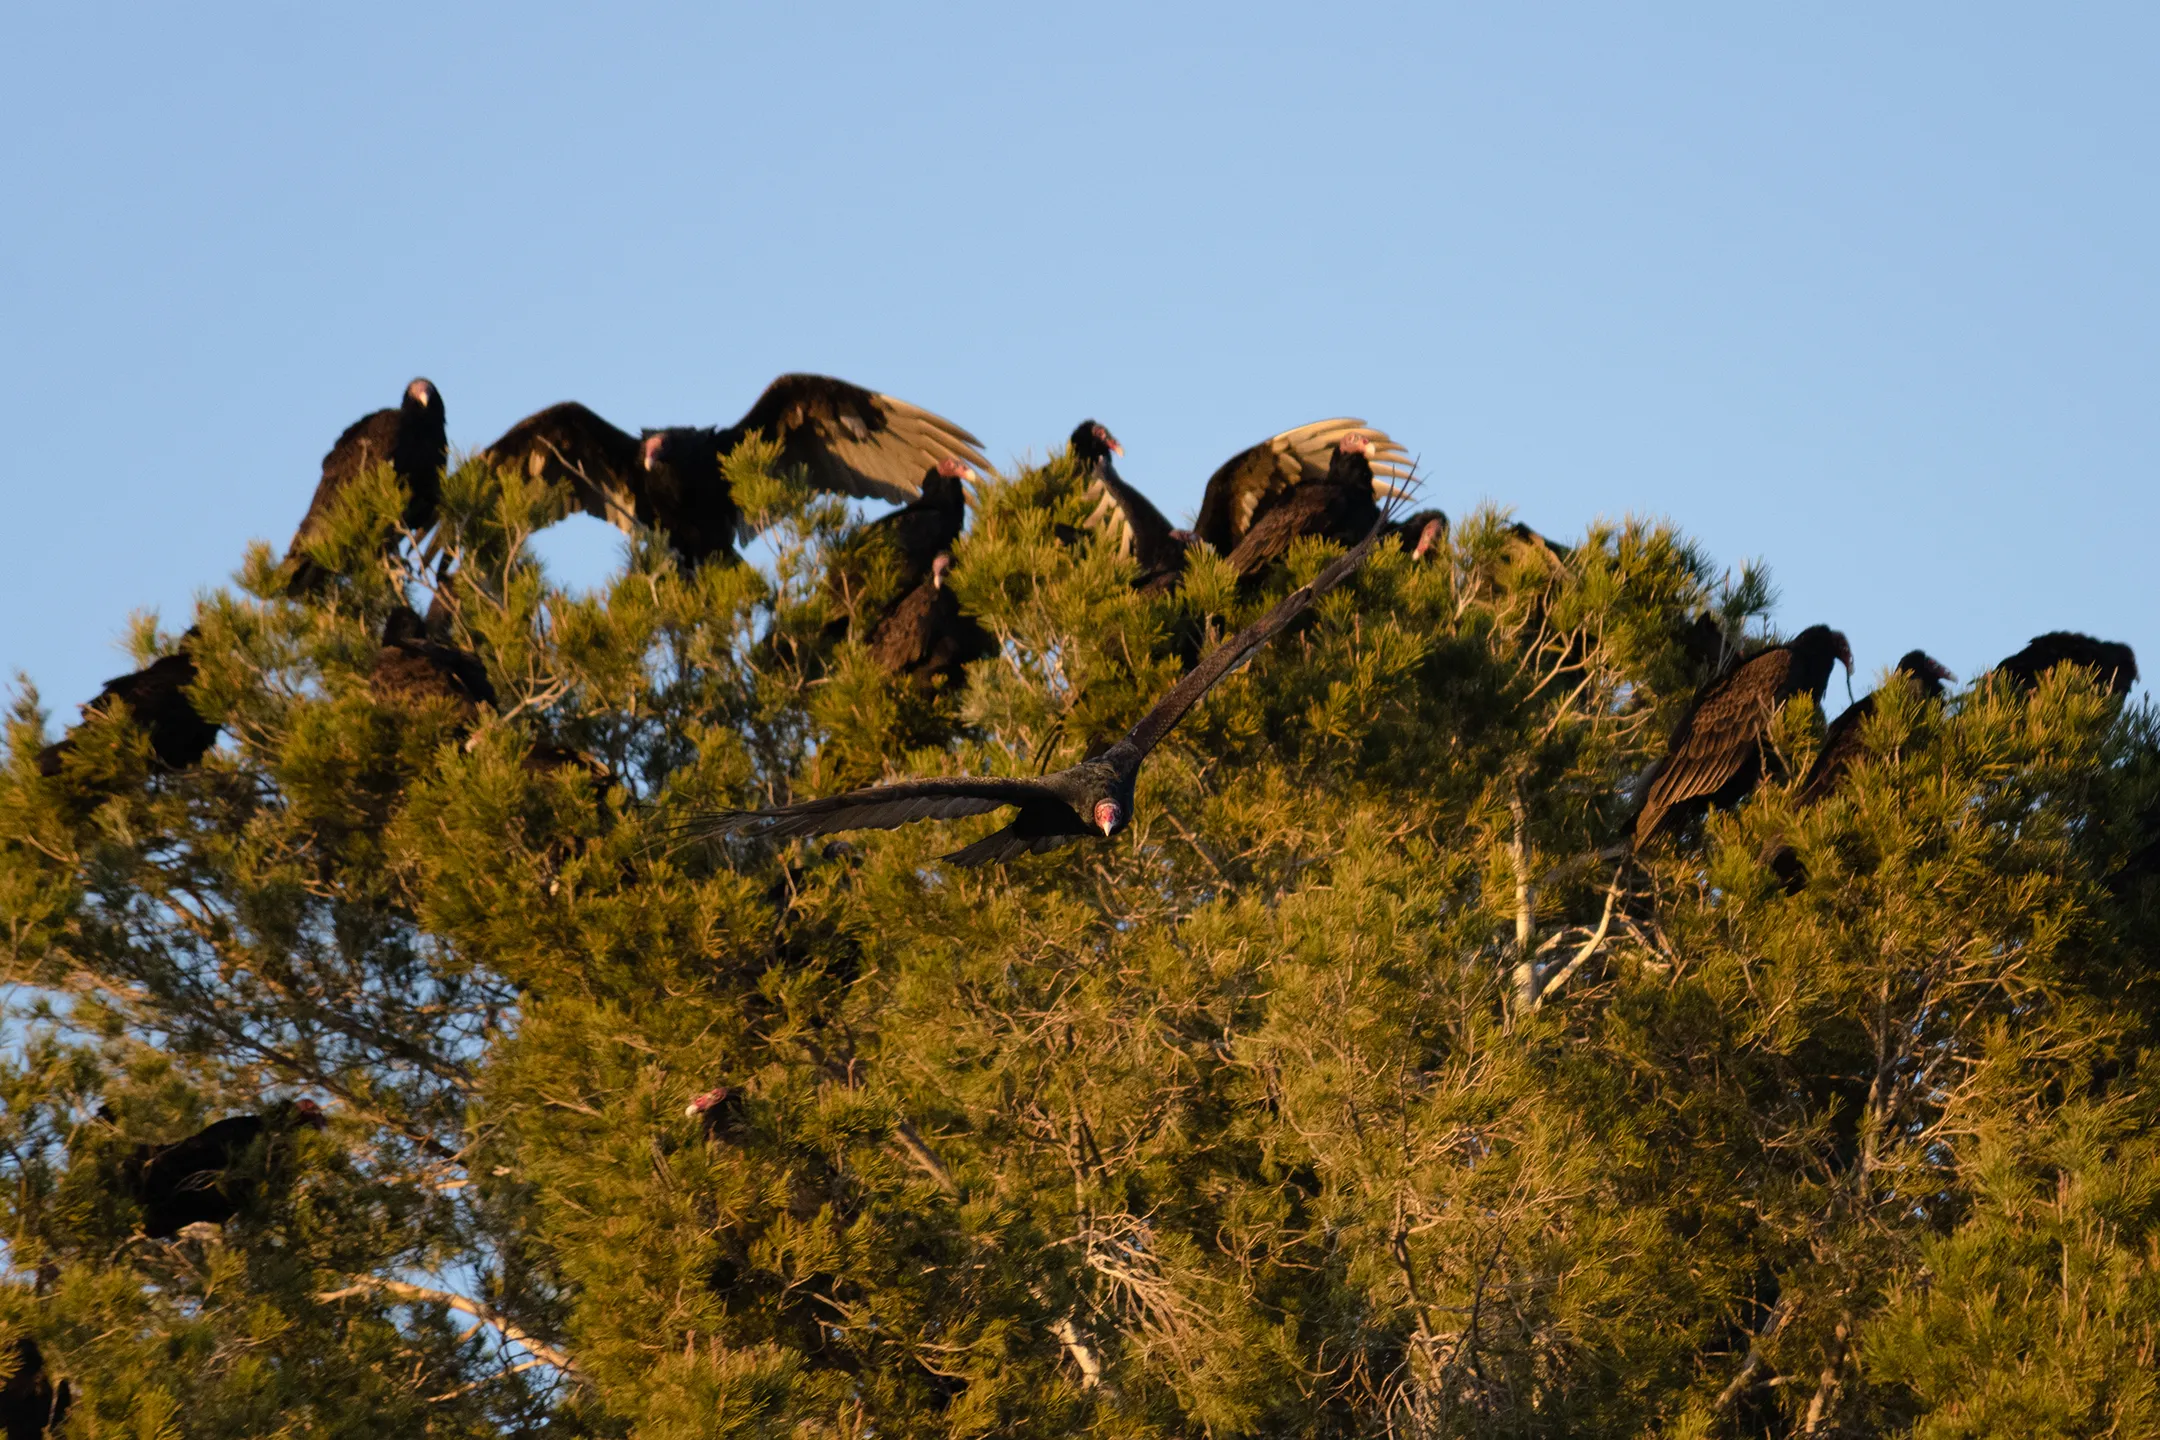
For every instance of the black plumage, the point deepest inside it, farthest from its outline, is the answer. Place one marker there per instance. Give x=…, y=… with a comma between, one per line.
x=187, y=1182
x=1843, y=743
x=1420, y=533
x=927, y=637
x=722, y=1112
x=31, y=1405
x=412, y=669
x=1340, y=505
x=1157, y=547
x=1092, y=797
x=910, y=540
x=2112, y=663
x=155, y=698
x=411, y=439
x=1721, y=750
x=1244, y=487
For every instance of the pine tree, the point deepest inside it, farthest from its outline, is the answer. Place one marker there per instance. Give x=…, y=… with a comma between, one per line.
x=1360, y=1087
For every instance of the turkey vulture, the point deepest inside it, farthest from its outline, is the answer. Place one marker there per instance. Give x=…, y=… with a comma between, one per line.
x=1141, y=530
x=156, y=698
x=721, y=1111
x=184, y=1183
x=1092, y=797
x=1719, y=752
x=30, y=1404
x=411, y=439
x=1341, y=505
x=1251, y=481
x=916, y=535
x=411, y=669
x=1419, y=533
x=2112, y=663
x=851, y=441
x=1842, y=744
x=927, y=636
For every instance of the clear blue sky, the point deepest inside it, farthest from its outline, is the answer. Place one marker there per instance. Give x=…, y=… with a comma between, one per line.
x=1866, y=291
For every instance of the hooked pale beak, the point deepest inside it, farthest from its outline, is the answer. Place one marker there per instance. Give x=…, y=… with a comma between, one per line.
x=1106, y=815
x=651, y=450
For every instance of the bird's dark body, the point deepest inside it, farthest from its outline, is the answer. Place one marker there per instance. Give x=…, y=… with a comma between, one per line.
x=187, y=1182
x=1093, y=797
x=1844, y=744
x=928, y=637
x=31, y=1405
x=2114, y=663
x=410, y=668
x=1256, y=479
x=1159, y=549
x=411, y=439
x=912, y=537
x=1720, y=751
x=1339, y=506
x=156, y=698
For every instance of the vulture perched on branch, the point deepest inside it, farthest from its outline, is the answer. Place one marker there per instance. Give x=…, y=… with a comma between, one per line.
x=410, y=439
x=1420, y=532
x=154, y=697
x=849, y=440
x=2113, y=664
x=1252, y=481
x=1090, y=798
x=1341, y=505
x=186, y=1183
x=1721, y=749
x=30, y=1403
x=927, y=636
x=1127, y=515
x=412, y=669
x=916, y=536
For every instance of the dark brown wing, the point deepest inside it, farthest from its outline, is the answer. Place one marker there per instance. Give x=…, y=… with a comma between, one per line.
x=1159, y=721
x=1716, y=739
x=1131, y=519
x=855, y=441
x=1842, y=745
x=370, y=440
x=568, y=443
x=877, y=807
x=1252, y=478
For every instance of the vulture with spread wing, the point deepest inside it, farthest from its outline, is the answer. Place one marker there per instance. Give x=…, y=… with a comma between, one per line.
x=1092, y=797
x=31, y=1405
x=850, y=441
x=156, y=698
x=410, y=439
x=411, y=668
x=2111, y=662
x=186, y=1183
x=1123, y=512
x=1721, y=749
x=1252, y=481
x=1341, y=505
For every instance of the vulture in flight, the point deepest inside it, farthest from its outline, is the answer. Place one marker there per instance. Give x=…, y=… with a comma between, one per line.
x=851, y=441
x=156, y=698
x=1143, y=533
x=1341, y=505
x=30, y=1403
x=927, y=636
x=185, y=1183
x=1092, y=797
x=411, y=439
x=1720, y=751
x=412, y=669
x=2112, y=663
x=1252, y=481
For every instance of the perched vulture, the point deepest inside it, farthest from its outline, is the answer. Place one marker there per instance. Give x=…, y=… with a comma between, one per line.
x=1719, y=752
x=1341, y=505
x=2112, y=663
x=1420, y=532
x=1842, y=743
x=927, y=636
x=851, y=441
x=1139, y=527
x=411, y=669
x=916, y=535
x=720, y=1110
x=411, y=439
x=154, y=697
x=185, y=1183
x=1251, y=481
x=1092, y=797
x=30, y=1404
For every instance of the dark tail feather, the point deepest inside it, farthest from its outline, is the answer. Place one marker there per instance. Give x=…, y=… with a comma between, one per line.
x=995, y=848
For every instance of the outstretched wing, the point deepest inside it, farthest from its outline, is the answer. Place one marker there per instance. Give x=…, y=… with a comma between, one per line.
x=1253, y=478
x=855, y=441
x=1131, y=520
x=367, y=441
x=569, y=443
x=875, y=807
x=1717, y=738
x=1159, y=721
